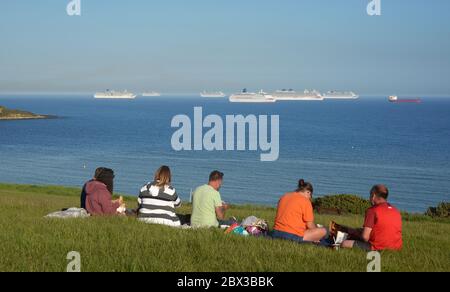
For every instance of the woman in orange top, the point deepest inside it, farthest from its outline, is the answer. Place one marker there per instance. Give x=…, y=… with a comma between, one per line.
x=295, y=217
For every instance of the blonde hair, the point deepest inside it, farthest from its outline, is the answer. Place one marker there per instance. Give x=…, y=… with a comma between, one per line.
x=163, y=176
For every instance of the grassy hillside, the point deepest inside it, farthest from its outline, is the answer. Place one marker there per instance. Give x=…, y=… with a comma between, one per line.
x=31, y=243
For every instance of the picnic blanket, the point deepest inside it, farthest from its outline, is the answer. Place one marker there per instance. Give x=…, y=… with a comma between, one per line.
x=69, y=213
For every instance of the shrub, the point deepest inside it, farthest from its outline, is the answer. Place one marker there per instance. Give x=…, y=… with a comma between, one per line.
x=441, y=211
x=349, y=204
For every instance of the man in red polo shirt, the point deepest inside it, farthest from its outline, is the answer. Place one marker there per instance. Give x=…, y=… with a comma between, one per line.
x=382, y=227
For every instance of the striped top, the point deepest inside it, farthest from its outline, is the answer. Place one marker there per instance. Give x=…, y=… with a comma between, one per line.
x=157, y=205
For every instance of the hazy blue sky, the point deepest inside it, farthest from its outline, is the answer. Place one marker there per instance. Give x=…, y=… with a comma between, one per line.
x=190, y=45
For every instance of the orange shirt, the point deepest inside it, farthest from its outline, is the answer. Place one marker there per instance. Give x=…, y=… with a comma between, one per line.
x=294, y=211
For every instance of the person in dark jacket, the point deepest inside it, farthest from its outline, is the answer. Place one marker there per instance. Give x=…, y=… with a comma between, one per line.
x=83, y=191
x=98, y=194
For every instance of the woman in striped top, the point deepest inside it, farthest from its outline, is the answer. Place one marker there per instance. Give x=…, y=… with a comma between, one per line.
x=158, y=200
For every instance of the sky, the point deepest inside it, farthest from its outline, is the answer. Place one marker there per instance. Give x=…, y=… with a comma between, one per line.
x=185, y=46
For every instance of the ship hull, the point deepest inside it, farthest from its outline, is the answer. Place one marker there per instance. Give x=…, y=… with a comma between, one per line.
x=252, y=99
x=213, y=94
x=299, y=98
x=151, y=95
x=340, y=95
x=406, y=101
x=114, y=97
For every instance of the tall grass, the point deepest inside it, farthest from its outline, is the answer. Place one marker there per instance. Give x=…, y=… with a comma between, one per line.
x=31, y=243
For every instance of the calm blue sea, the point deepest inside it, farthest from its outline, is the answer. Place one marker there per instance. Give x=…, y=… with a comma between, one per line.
x=340, y=146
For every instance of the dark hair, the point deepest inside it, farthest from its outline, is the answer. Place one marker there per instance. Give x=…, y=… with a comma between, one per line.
x=216, y=175
x=106, y=176
x=380, y=191
x=98, y=171
x=305, y=186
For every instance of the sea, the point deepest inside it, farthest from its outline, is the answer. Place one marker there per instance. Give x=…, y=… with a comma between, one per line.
x=341, y=147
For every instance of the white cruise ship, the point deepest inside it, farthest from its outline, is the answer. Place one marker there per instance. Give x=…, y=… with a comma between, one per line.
x=300, y=96
x=251, y=97
x=151, y=94
x=340, y=95
x=111, y=94
x=212, y=94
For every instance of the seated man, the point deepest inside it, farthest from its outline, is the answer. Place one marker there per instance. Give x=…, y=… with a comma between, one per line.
x=99, y=194
x=295, y=218
x=382, y=226
x=208, y=210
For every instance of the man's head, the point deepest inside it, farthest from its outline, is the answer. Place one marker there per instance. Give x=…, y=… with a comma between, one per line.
x=216, y=179
x=379, y=194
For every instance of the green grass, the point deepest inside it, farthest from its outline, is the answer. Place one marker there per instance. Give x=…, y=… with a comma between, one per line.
x=31, y=243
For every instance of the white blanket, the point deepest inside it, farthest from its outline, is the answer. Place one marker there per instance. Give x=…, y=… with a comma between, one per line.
x=69, y=213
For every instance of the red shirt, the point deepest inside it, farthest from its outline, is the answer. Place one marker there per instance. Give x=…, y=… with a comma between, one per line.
x=98, y=199
x=386, y=223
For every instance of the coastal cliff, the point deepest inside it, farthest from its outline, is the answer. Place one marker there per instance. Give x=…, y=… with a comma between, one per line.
x=9, y=114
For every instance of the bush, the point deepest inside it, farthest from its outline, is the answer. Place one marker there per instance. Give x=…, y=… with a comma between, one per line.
x=441, y=211
x=343, y=204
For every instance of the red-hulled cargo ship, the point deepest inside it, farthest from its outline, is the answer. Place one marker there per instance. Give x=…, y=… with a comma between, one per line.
x=395, y=99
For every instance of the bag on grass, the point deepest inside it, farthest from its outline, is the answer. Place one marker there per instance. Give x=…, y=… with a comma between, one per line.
x=250, y=226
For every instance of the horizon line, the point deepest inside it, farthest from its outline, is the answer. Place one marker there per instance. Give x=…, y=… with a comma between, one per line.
x=75, y=93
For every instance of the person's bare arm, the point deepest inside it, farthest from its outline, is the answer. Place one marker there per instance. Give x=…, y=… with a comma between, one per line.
x=365, y=236
x=311, y=225
x=220, y=211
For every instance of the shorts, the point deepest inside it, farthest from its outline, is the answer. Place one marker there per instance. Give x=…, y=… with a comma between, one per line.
x=286, y=236
x=362, y=245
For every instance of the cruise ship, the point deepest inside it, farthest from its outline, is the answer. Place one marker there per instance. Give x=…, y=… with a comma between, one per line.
x=340, y=95
x=151, y=94
x=395, y=99
x=251, y=97
x=111, y=94
x=290, y=94
x=213, y=94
